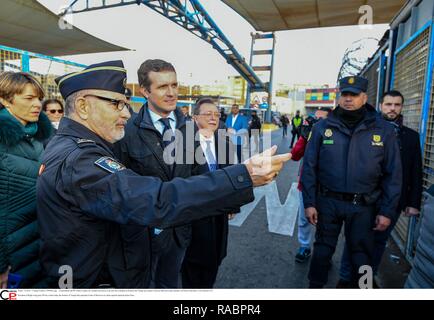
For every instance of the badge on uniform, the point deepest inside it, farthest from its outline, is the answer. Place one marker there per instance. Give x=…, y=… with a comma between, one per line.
x=376, y=140
x=109, y=164
x=328, y=133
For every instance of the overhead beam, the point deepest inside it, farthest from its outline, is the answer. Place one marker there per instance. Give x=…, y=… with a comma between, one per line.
x=192, y=16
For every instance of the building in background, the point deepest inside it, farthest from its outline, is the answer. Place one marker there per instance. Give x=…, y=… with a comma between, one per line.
x=320, y=98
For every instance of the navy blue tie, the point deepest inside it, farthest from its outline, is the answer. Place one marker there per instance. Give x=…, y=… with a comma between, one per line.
x=167, y=127
x=166, y=124
x=212, y=163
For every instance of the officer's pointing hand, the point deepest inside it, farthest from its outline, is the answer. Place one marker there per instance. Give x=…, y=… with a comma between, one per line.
x=312, y=215
x=264, y=167
x=381, y=223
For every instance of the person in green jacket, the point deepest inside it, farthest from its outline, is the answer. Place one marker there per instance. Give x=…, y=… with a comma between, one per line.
x=22, y=129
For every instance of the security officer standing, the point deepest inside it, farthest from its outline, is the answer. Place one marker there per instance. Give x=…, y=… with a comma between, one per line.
x=351, y=174
x=391, y=106
x=85, y=194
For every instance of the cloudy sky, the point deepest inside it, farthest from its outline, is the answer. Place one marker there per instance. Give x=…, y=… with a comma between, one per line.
x=302, y=56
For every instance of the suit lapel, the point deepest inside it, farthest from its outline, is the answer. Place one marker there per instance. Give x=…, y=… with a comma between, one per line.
x=157, y=149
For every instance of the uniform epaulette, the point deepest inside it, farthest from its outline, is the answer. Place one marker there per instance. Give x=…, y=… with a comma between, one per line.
x=85, y=142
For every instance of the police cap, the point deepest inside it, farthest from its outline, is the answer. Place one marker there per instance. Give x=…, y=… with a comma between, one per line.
x=110, y=76
x=353, y=84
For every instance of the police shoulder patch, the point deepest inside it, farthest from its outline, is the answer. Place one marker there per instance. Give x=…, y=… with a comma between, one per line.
x=109, y=164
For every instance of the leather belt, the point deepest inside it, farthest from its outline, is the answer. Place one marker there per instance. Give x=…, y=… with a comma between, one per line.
x=355, y=198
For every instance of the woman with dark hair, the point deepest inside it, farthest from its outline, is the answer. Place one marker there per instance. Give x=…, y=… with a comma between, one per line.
x=53, y=108
x=22, y=129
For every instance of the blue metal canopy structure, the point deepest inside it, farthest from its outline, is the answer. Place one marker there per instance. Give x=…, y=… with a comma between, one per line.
x=190, y=15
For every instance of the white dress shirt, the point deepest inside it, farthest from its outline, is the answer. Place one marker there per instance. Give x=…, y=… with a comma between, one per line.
x=234, y=118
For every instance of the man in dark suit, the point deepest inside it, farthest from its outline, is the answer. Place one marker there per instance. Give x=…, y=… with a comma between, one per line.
x=144, y=150
x=209, y=236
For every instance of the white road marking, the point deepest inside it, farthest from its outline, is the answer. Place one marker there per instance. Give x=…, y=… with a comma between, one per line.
x=281, y=218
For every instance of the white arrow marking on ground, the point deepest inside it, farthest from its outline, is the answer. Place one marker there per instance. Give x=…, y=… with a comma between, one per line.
x=281, y=218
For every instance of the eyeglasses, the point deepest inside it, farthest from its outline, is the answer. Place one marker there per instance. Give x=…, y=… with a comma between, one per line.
x=120, y=104
x=209, y=114
x=53, y=111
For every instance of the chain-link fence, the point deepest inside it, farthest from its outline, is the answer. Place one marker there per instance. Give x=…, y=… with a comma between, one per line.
x=44, y=68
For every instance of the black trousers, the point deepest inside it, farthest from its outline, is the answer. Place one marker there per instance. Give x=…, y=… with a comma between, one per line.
x=239, y=152
x=167, y=257
x=359, y=222
x=295, y=137
x=198, y=276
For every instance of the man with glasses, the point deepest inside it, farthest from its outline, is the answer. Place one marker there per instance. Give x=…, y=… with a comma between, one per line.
x=87, y=198
x=209, y=238
x=53, y=108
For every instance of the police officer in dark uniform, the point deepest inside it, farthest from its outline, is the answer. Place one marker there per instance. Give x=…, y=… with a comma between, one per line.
x=351, y=174
x=85, y=194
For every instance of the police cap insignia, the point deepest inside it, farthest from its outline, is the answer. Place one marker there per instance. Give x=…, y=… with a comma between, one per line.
x=354, y=84
x=109, y=164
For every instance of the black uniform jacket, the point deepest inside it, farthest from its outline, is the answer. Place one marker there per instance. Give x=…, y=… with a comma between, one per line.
x=84, y=195
x=364, y=161
x=411, y=157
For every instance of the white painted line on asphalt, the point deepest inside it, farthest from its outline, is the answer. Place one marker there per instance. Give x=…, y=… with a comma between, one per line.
x=281, y=218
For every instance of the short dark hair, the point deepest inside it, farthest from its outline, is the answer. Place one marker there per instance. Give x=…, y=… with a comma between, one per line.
x=155, y=65
x=235, y=105
x=392, y=93
x=50, y=101
x=200, y=102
